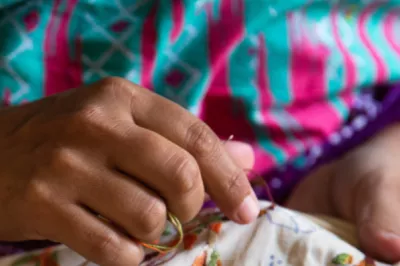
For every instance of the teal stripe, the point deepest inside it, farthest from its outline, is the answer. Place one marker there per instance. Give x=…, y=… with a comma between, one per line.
x=192, y=61
x=62, y=7
x=36, y=62
x=300, y=161
x=198, y=46
x=7, y=3
x=278, y=49
x=164, y=27
x=75, y=31
x=96, y=45
x=134, y=42
x=268, y=19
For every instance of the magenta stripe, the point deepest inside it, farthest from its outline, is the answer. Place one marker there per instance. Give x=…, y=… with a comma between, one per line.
x=148, y=48
x=308, y=70
x=50, y=51
x=263, y=161
x=76, y=71
x=277, y=135
x=319, y=119
x=389, y=31
x=177, y=19
x=348, y=99
x=382, y=72
x=221, y=42
x=218, y=104
x=307, y=64
x=262, y=74
x=61, y=71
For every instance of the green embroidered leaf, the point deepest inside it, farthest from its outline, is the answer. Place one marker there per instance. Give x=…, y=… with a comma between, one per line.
x=167, y=232
x=198, y=230
x=214, y=258
x=25, y=260
x=54, y=256
x=342, y=259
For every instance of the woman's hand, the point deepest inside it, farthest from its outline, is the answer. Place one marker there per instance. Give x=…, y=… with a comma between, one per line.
x=364, y=188
x=116, y=150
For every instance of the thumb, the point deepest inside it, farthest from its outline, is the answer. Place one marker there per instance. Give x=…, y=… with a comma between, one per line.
x=366, y=189
x=241, y=153
x=377, y=217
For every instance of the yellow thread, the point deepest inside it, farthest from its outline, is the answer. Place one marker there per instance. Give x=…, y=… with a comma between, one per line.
x=160, y=248
x=167, y=248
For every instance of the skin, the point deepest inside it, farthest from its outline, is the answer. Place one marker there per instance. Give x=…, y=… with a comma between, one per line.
x=117, y=150
x=92, y=151
x=363, y=188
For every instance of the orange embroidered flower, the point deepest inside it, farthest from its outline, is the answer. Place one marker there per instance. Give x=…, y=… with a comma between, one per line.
x=367, y=262
x=216, y=227
x=200, y=260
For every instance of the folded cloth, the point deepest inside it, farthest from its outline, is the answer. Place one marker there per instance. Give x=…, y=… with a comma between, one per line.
x=278, y=237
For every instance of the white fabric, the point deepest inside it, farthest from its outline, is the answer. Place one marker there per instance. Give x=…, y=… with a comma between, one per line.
x=280, y=237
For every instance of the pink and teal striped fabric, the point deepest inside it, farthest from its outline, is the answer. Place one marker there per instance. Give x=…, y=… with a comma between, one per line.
x=281, y=75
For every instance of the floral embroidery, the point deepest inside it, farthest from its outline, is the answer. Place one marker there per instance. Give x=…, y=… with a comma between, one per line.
x=167, y=232
x=201, y=259
x=367, y=262
x=342, y=259
x=346, y=259
x=214, y=259
x=189, y=240
x=216, y=227
x=45, y=258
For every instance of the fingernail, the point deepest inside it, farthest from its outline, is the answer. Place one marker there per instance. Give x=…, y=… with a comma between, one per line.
x=248, y=210
x=389, y=235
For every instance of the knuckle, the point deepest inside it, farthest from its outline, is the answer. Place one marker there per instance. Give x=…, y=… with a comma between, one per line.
x=187, y=174
x=93, y=120
x=105, y=245
x=120, y=91
x=235, y=182
x=39, y=192
x=117, y=89
x=90, y=114
x=111, y=84
x=153, y=218
x=63, y=159
x=201, y=140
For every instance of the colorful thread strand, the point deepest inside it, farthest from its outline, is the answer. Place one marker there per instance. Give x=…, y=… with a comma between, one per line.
x=163, y=249
x=167, y=248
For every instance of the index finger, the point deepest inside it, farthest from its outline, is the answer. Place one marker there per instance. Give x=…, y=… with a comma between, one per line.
x=225, y=182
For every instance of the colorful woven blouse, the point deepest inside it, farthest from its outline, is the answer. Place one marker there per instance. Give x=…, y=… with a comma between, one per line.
x=286, y=76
